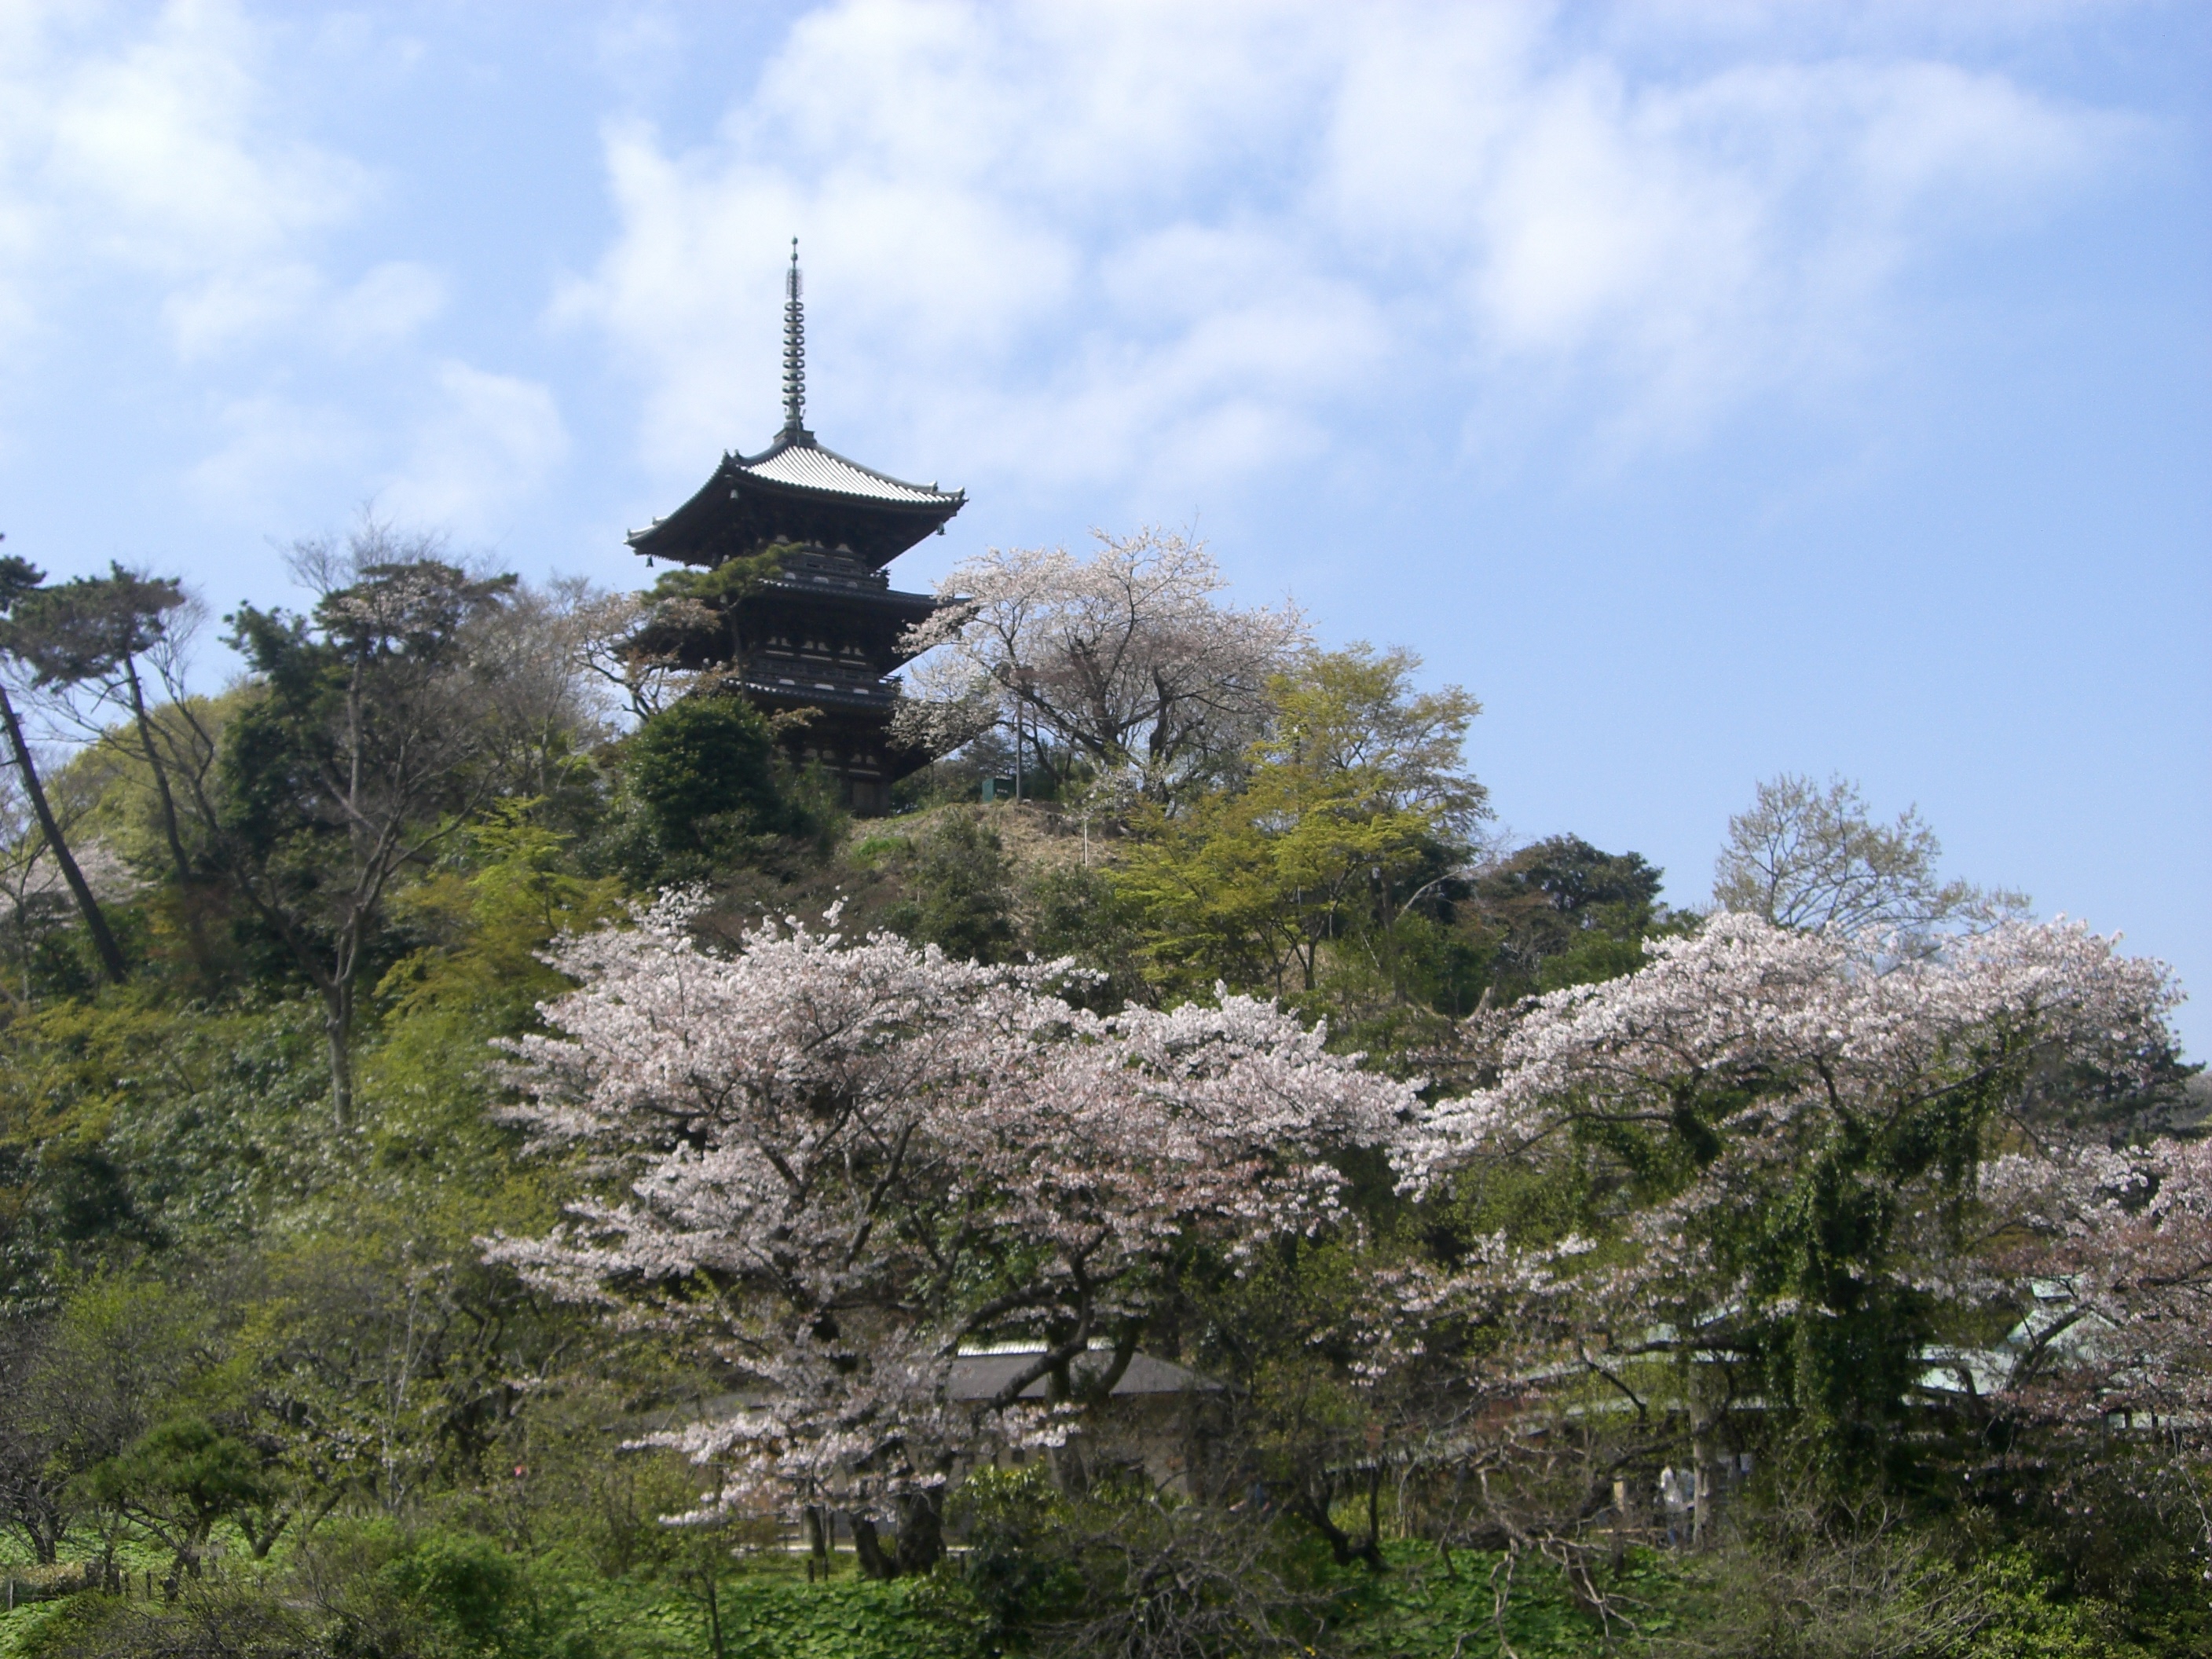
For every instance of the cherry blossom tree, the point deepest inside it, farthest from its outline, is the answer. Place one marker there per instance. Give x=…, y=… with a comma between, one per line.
x=837, y=1162
x=1128, y=661
x=2108, y=1257
x=1780, y=1136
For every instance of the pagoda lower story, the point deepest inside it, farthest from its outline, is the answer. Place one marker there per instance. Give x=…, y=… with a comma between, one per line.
x=821, y=641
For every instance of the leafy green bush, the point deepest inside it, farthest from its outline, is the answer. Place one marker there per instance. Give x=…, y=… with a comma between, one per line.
x=704, y=771
x=960, y=892
x=226, y=1624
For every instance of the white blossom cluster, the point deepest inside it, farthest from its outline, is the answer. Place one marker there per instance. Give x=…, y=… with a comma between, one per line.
x=834, y=1163
x=837, y=1162
x=1127, y=659
x=2116, y=1248
x=1815, y=1023
x=1773, y=1059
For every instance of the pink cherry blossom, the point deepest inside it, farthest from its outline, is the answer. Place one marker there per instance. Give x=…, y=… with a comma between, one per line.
x=1763, y=1060
x=831, y=1164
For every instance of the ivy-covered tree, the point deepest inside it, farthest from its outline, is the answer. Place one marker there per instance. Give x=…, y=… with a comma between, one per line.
x=1769, y=1143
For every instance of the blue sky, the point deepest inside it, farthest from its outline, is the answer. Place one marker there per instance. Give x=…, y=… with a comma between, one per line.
x=1712, y=389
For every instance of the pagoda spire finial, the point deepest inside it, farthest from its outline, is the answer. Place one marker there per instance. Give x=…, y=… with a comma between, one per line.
x=794, y=349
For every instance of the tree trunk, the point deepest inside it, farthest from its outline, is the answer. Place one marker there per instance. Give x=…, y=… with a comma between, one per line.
x=1313, y=1503
x=868, y=1549
x=170, y=828
x=1701, y=1477
x=921, y=1531
x=259, y=1538
x=110, y=954
x=337, y=1031
x=818, y=1542
x=713, y=1605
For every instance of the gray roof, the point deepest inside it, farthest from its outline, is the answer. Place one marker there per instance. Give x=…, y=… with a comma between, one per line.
x=980, y=1375
x=809, y=466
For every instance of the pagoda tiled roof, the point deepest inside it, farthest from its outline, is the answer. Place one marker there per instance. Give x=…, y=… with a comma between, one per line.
x=796, y=460
x=797, y=490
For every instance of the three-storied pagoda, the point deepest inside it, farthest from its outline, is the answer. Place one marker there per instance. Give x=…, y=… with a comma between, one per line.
x=822, y=634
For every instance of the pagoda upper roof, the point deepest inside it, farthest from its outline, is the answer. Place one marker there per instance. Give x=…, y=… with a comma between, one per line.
x=796, y=490
x=797, y=461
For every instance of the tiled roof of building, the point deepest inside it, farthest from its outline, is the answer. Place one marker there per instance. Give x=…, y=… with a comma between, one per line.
x=805, y=464
x=981, y=1376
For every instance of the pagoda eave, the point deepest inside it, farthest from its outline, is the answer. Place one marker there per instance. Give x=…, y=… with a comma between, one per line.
x=894, y=605
x=798, y=492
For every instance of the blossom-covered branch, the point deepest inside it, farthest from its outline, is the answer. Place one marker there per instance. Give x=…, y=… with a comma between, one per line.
x=843, y=1160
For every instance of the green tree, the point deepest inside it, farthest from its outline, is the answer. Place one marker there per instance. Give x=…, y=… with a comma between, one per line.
x=362, y=757
x=694, y=620
x=704, y=770
x=95, y=632
x=1355, y=810
x=1082, y=911
x=77, y=1387
x=1559, y=912
x=19, y=581
x=177, y=1481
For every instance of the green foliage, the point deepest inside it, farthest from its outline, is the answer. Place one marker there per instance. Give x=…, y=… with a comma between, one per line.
x=89, y=627
x=337, y=696
x=959, y=890
x=206, y=1625
x=1084, y=912
x=126, y=1126
x=464, y=1586
x=1006, y=1516
x=1483, y=1604
x=771, y=1617
x=704, y=771
x=510, y=888
x=1350, y=816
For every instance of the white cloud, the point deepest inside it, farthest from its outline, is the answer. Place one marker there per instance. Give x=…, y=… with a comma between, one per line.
x=157, y=149
x=155, y=179
x=222, y=307
x=476, y=446
x=490, y=441
x=265, y=443
x=1134, y=241
x=149, y=147
x=389, y=304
